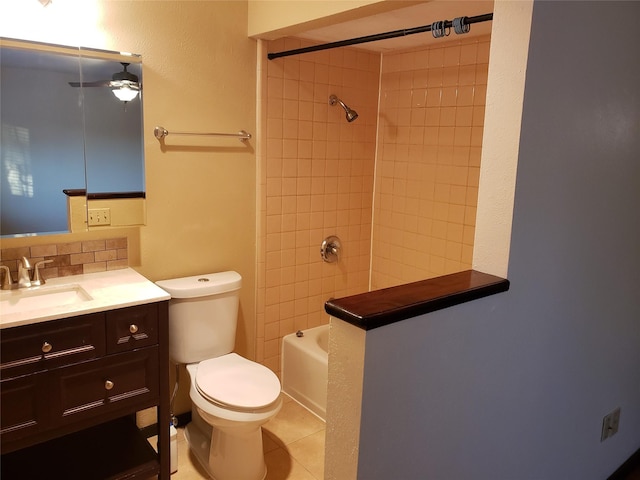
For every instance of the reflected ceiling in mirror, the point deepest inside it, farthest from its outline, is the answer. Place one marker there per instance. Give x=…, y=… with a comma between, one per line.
x=63, y=129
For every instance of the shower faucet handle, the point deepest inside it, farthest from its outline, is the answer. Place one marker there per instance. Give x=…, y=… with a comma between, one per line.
x=330, y=249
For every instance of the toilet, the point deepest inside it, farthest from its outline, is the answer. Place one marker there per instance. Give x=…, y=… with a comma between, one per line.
x=231, y=396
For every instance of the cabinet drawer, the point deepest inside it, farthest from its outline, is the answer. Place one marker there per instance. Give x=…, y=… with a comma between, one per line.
x=105, y=385
x=23, y=411
x=131, y=328
x=41, y=346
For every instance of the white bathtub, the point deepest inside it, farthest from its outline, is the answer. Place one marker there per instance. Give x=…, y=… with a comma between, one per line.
x=305, y=363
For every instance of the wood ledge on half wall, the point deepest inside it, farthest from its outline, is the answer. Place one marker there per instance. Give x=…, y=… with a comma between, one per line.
x=389, y=305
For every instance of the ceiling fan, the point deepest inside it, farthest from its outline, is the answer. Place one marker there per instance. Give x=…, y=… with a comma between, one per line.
x=125, y=85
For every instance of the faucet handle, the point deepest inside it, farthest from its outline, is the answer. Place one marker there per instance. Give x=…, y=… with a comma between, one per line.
x=37, y=279
x=330, y=249
x=24, y=279
x=7, y=282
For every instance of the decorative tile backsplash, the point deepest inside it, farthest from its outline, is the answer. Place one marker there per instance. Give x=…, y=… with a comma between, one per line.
x=71, y=258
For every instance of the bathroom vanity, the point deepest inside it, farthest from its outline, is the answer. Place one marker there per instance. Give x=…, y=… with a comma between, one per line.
x=73, y=375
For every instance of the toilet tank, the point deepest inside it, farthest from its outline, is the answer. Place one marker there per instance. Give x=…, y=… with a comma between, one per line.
x=203, y=315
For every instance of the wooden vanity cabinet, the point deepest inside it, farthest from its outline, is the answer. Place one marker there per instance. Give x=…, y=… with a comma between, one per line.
x=74, y=385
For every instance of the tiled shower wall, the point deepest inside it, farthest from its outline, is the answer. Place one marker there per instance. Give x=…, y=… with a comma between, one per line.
x=317, y=175
x=316, y=180
x=428, y=161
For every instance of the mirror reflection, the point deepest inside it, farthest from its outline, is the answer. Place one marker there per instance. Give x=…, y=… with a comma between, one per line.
x=113, y=123
x=64, y=129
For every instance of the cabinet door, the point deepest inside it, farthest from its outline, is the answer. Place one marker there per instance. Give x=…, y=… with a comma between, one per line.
x=46, y=345
x=106, y=387
x=132, y=327
x=23, y=407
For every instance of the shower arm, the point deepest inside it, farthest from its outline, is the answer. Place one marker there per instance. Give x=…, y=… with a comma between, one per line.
x=336, y=99
x=351, y=113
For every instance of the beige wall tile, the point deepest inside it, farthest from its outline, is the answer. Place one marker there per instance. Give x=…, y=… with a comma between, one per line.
x=93, y=245
x=316, y=164
x=319, y=176
x=422, y=238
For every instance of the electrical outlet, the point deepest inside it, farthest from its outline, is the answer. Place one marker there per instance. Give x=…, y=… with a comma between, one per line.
x=99, y=216
x=610, y=424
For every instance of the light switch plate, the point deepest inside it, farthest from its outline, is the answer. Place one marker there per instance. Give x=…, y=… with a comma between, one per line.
x=99, y=216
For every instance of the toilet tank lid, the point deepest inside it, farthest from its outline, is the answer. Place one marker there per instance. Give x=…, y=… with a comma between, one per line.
x=201, y=285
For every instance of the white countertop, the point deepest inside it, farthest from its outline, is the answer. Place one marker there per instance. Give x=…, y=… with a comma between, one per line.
x=107, y=291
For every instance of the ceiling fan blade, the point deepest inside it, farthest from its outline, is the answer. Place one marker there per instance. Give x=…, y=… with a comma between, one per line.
x=90, y=84
x=118, y=80
x=124, y=83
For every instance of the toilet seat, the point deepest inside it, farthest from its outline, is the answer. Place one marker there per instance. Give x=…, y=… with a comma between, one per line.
x=235, y=382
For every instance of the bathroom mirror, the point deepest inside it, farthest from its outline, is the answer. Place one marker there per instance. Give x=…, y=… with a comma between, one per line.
x=64, y=130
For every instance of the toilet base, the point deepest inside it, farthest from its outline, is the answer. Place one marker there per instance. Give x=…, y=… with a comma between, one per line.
x=231, y=456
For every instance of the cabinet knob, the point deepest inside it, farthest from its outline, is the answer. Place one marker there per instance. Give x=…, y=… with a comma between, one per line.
x=108, y=385
x=46, y=347
x=133, y=328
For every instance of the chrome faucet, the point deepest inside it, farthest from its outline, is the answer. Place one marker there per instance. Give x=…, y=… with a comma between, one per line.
x=24, y=279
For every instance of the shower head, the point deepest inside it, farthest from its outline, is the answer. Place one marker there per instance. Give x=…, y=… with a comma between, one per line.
x=350, y=114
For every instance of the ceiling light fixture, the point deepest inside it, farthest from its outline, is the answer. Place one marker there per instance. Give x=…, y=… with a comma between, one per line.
x=124, y=93
x=125, y=84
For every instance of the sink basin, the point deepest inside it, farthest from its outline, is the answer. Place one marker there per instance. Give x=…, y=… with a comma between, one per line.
x=37, y=298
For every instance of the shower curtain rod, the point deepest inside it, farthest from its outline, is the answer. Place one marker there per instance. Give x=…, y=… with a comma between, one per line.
x=379, y=36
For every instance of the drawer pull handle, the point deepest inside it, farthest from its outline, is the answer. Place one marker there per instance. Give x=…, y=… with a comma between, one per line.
x=133, y=328
x=46, y=347
x=108, y=385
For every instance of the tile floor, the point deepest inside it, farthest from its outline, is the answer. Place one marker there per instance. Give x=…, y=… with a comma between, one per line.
x=293, y=445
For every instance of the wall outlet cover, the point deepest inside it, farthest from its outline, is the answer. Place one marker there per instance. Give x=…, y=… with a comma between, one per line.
x=610, y=424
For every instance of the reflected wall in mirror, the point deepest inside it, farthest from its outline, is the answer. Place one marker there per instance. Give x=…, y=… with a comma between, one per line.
x=113, y=128
x=62, y=129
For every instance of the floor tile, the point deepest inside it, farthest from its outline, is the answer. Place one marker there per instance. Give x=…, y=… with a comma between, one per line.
x=309, y=451
x=281, y=466
x=270, y=443
x=292, y=423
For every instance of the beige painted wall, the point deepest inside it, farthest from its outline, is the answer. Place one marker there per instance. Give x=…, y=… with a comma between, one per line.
x=278, y=18
x=501, y=140
x=199, y=75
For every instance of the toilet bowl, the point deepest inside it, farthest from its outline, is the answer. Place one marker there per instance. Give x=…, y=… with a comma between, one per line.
x=231, y=396
x=225, y=433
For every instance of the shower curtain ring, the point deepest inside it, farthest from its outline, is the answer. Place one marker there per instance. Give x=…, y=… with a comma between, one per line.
x=460, y=25
x=439, y=30
x=434, y=30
